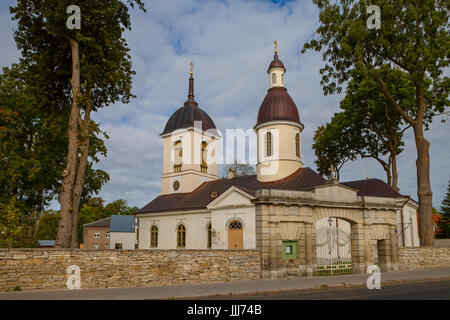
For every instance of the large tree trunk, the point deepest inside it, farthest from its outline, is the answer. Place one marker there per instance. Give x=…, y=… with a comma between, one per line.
x=394, y=171
x=80, y=176
x=424, y=193
x=66, y=197
x=423, y=187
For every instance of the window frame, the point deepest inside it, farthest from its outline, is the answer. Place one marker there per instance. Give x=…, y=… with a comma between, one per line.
x=96, y=235
x=181, y=236
x=269, y=142
x=154, y=236
x=209, y=236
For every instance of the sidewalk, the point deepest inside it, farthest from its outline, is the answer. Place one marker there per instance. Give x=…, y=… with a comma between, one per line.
x=224, y=289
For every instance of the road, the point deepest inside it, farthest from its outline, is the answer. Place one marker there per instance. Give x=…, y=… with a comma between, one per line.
x=436, y=290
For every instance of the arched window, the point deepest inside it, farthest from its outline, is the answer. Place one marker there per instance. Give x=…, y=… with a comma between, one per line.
x=178, y=155
x=297, y=145
x=181, y=236
x=208, y=228
x=274, y=78
x=282, y=78
x=268, y=144
x=154, y=237
x=203, y=153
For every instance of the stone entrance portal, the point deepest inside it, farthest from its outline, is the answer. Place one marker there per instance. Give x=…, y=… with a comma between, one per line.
x=292, y=243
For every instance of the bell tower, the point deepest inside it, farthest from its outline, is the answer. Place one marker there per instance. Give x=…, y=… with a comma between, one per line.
x=189, y=138
x=278, y=128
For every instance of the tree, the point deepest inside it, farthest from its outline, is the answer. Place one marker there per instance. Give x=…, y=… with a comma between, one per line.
x=13, y=231
x=93, y=69
x=33, y=127
x=330, y=146
x=366, y=127
x=413, y=38
x=240, y=169
x=444, y=221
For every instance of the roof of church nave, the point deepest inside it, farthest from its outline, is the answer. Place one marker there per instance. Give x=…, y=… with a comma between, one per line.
x=185, y=116
x=301, y=180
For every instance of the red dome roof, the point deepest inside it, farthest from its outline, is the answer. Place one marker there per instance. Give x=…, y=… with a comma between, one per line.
x=277, y=105
x=276, y=63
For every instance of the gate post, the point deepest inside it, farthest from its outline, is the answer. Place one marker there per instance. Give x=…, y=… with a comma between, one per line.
x=394, y=249
x=309, y=250
x=358, y=244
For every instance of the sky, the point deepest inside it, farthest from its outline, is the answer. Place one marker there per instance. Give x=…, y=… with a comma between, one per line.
x=231, y=46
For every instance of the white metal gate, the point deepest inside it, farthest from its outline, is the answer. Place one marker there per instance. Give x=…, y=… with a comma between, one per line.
x=334, y=251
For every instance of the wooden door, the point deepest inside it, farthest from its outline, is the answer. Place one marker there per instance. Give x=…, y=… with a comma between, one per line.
x=235, y=235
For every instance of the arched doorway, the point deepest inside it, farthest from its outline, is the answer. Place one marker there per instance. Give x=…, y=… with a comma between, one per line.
x=235, y=235
x=333, y=247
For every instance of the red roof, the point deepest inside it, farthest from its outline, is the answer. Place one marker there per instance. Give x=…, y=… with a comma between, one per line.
x=301, y=180
x=374, y=188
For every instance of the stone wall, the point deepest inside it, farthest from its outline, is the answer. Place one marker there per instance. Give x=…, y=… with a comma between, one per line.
x=424, y=258
x=31, y=269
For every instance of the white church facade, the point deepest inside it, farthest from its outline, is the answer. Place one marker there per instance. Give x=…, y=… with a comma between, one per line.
x=273, y=210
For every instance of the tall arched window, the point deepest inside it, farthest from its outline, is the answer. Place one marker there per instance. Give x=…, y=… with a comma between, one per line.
x=209, y=243
x=203, y=153
x=282, y=78
x=268, y=144
x=274, y=78
x=154, y=237
x=178, y=155
x=181, y=236
x=297, y=145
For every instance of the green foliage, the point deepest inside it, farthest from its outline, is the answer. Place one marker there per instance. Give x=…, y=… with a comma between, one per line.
x=43, y=38
x=366, y=127
x=14, y=231
x=413, y=37
x=444, y=222
x=33, y=145
x=48, y=225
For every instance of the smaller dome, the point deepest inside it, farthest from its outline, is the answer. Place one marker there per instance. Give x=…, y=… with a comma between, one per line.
x=276, y=63
x=277, y=105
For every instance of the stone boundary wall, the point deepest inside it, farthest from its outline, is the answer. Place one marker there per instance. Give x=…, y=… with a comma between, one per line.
x=424, y=258
x=32, y=269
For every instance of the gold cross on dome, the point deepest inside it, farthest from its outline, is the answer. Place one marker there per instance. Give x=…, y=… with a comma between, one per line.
x=276, y=45
x=192, y=68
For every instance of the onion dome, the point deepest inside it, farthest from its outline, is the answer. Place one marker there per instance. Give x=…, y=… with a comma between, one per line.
x=277, y=105
x=186, y=116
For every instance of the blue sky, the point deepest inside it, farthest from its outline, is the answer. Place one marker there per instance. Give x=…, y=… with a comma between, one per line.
x=231, y=45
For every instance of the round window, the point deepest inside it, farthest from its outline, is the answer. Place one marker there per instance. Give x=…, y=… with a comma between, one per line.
x=176, y=185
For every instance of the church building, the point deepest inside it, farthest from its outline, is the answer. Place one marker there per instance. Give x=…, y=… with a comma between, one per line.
x=288, y=211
